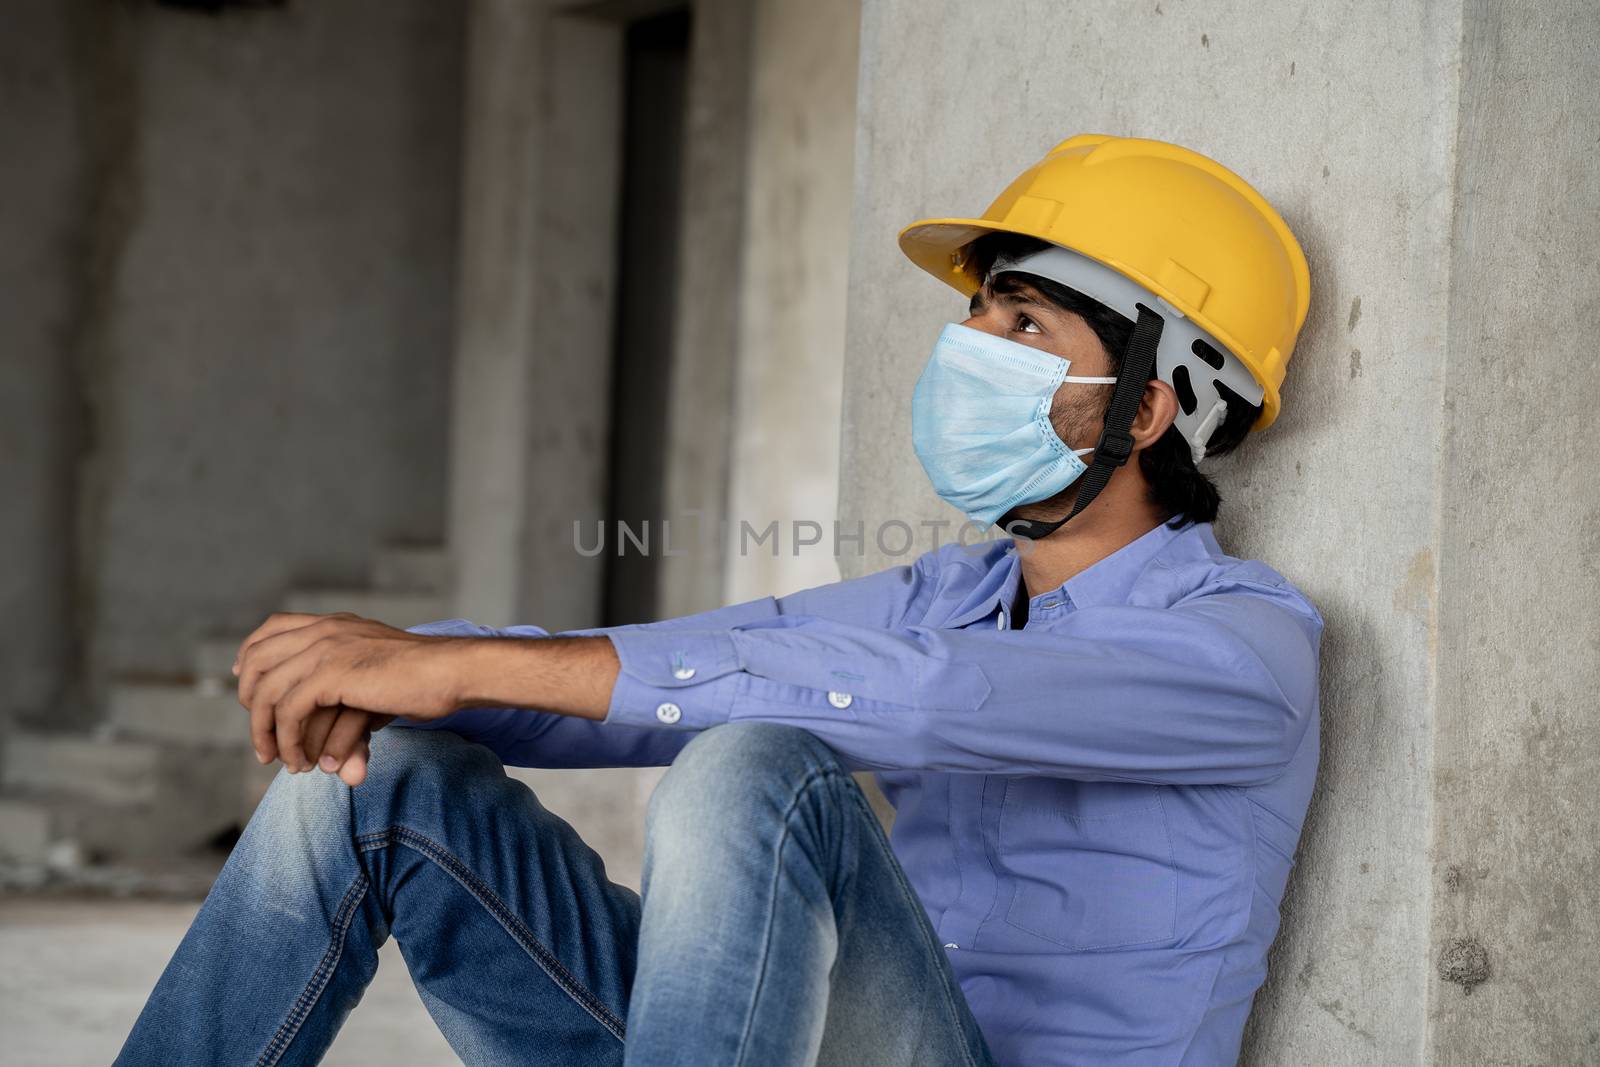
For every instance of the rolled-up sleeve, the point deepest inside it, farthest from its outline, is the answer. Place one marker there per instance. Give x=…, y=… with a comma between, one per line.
x=1218, y=689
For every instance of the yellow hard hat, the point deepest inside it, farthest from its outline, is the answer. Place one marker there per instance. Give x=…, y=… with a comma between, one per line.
x=1181, y=226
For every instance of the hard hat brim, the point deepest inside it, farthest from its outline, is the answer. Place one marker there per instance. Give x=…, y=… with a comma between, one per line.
x=936, y=246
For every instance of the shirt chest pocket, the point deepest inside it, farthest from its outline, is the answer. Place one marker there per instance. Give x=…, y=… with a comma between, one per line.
x=1089, y=863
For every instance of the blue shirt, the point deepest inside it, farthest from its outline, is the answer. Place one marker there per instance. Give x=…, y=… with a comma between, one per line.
x=1099, y=810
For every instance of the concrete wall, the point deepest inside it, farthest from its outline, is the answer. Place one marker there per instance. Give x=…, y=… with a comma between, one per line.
x=265, y=334
x=706, y=331
x=531, y=373
x=1517, y=738
x=785, y=456
x=1432, y=160
x=533, y=349
x=41, y=261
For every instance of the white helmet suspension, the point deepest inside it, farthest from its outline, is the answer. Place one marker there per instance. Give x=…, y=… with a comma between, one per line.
x=1185, y=354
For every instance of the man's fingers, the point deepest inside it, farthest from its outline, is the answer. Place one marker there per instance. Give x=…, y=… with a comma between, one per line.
x=319, y=726
x=354, y=771
x=290, y=714
x=263, y=703
x=263, y=734
x=348, y=732
x=287, y=738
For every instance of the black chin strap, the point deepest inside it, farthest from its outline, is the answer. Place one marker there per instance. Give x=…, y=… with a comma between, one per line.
x=1116, y=440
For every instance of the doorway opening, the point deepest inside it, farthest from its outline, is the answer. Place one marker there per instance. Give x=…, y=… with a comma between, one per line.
x=655, y=71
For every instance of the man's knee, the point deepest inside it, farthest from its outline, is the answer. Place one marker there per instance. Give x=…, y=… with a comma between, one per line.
x=422, y=770
x=423, y=765
x=402, y=757
x=740, y=766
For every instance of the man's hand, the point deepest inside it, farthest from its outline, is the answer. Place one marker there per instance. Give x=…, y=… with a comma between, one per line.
x=347, y=733
x=317, y=684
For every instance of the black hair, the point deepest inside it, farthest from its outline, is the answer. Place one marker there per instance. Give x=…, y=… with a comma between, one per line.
x=1177, y=486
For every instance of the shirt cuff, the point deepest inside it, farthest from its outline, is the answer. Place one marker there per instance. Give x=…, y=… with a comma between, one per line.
x=678, y=679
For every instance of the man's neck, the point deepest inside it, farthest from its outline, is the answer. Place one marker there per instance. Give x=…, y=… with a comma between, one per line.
x=1117, y=518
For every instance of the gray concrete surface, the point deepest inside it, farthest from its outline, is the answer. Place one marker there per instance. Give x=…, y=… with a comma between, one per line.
x=530, y=400
x=785, y=452
x=706, y=354
x=92, y=963
x=1514, y=630
x=265, y=333
x=1434, y=163
x=40, y=422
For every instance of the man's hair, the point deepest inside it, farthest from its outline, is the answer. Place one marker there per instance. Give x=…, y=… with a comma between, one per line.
x=1177, y=486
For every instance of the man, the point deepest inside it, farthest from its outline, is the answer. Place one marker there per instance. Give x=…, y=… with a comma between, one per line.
x=1100, y=734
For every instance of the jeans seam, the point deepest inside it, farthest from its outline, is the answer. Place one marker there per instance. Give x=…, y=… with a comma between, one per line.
x=875, y=832
x=308, y=997
x=772, y=896
x=508, y=919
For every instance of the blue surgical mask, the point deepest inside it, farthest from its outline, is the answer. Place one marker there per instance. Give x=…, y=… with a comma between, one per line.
x=980, y=422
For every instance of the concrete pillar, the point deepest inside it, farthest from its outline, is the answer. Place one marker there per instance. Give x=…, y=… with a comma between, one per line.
x=259, y=253
x=1515, y=629
x=530, y=406
x=1427, y=484
x=42, y=260
x=785, y=460
x=705, y=343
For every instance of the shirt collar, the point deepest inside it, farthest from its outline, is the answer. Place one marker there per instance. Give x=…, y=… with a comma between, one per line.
x=997, y=583
x=1111, y=580
x=1106, y=581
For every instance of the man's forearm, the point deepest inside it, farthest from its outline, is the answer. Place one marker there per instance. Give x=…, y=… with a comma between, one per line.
x=565, y=675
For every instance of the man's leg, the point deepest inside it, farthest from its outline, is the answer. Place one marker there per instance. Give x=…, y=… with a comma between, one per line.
x=521, y=948
x=778, y=927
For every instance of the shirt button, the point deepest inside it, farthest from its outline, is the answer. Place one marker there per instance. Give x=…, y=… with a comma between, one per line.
x=1000, y=621
x=669, y=713
x=683, y=674
x=840, y=700
x=951, y=944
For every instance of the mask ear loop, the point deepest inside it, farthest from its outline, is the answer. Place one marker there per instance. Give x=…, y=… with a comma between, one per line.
x=1116, y=439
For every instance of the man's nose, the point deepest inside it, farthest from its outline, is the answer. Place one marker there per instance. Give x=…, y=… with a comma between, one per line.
x=989, y=324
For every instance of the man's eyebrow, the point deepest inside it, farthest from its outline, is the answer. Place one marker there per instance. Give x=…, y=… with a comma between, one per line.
x=1013, y=293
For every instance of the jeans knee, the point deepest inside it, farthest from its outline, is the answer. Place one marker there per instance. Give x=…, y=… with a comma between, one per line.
x=310, y=804
x=425, y=766
x=410, y=773
x=746, y=767
x=422, y=766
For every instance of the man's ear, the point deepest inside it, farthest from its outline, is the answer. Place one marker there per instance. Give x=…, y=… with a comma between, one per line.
x=1158, y=409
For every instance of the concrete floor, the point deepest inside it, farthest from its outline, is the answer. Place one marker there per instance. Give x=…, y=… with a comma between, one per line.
x=92, y=963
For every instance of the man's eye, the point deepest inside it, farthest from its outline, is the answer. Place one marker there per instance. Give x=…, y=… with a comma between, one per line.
x=1027, y=325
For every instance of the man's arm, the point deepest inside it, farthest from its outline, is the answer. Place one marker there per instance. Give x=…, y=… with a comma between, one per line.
x=1218, y=689
x=525, y=730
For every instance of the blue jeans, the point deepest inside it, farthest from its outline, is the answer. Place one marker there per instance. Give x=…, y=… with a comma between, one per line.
x=775, y=926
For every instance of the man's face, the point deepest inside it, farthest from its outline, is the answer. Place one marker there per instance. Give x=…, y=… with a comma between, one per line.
x=1019, y=312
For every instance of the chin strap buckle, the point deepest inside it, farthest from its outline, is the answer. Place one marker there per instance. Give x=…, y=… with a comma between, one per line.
x=1115, y=444
x=1116, y=438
